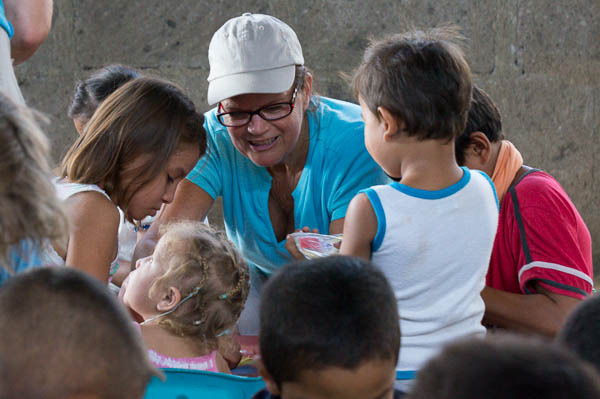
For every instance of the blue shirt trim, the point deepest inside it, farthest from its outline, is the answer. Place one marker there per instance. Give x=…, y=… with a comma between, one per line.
x=405, y=374
x=5, y=23
x=379, y=214
x=493, y=187
x=435, y=194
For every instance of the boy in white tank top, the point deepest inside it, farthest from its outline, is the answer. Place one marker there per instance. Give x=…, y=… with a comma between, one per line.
x=431, y=233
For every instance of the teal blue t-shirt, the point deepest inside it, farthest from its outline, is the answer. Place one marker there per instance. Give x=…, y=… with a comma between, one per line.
x=337, y=167
x=21, y=257
x=4, y=23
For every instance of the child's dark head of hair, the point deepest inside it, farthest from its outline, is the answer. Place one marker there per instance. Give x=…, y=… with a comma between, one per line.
x=502, y=367
x=580, y=332
x=89, y=93
x=422, y=78
x=64, y=335
x=484, y=117
x=331, y=315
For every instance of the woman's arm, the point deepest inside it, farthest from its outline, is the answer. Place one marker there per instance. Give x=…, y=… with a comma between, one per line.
x=31, y=20
x=360, y=228
x=190, y=203
x=94, y=225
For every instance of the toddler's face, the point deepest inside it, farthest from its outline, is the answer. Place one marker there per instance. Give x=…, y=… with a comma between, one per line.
x=146, y=271
x=374, y=379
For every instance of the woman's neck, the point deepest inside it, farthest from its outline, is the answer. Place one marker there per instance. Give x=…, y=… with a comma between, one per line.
x=294, y=162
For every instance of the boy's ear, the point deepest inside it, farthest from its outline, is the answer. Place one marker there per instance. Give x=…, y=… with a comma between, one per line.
x=269, y=381
x=169, y=299
x=479, y=147
x=390, y=123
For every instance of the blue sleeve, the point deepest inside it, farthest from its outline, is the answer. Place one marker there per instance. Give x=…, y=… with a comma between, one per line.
x=208, y=172
x=4, y=23
x=354, y=170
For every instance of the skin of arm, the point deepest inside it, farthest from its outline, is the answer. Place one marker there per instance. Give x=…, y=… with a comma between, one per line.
x=94, y=225
x=190, y=203
x=31, y=20
x=360, y=228
x=541, y=313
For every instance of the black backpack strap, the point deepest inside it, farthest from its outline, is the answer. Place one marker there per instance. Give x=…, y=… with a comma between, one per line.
x=517, y=210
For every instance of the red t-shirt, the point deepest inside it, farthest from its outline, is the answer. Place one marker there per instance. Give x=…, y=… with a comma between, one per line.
x=555, y=248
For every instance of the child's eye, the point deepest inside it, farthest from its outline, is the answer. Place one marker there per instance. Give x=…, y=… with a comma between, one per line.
x=170, y=179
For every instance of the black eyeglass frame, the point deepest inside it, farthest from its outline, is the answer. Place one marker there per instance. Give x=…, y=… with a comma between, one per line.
x=291, y=103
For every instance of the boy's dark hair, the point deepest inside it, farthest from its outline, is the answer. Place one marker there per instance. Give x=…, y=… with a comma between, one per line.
x=580, y=332
x=503, y=367
x=330, y=312
x=484, y=117
x=91, y=92
x=64, y=334
x=422, y=78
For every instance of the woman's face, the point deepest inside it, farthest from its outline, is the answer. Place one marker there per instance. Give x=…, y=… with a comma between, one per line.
x=148, y=199
x=268, y=143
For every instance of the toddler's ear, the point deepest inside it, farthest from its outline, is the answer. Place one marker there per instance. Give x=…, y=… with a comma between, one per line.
x=391, y=124
x=269, y=381
x=170, y=298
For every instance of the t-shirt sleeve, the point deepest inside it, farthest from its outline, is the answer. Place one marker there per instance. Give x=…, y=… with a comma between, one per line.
x=555, y=249
x=207, y=174
x=353, y=172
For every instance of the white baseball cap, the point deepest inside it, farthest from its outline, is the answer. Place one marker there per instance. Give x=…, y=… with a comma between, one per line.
x=254, y=53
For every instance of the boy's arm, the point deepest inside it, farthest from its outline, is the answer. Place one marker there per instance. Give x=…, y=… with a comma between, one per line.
x=360, y=228
x=31, y=20
x=542, y=313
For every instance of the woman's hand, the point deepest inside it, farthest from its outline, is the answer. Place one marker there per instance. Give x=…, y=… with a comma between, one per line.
x=290, y=244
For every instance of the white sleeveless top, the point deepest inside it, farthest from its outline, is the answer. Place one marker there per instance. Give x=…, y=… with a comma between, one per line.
x=65, y=190
x=434, y=247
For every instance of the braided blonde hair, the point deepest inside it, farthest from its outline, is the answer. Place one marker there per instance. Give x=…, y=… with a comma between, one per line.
x=200, y=258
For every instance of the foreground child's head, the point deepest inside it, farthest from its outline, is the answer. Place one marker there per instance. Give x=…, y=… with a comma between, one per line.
x=580, y=332
x=29, y=208
x=195, y=284
x=421, y=78
x=91, y=92
x=329, y=329
x=505, y=367
x=475, y=146
x=141, y=141
x=64, y=335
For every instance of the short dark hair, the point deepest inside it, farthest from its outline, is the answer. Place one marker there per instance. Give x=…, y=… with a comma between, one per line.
x=330, y=312
x=63, y=333
x=422, y=78
x=580, y=331
x=484, y=117
x=89, y=93
x=501, y=367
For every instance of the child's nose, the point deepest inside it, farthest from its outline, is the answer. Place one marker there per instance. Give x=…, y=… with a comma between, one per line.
x=169, y=194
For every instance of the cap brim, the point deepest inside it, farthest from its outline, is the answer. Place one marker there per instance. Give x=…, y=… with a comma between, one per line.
x=275, y=80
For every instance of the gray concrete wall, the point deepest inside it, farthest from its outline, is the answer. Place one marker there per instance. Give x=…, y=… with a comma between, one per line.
x=540, y=61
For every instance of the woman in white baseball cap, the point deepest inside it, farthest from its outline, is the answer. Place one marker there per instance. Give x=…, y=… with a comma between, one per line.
x=281, y=158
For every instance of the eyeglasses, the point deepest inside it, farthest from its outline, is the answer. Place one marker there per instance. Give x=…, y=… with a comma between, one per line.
x=271, y=112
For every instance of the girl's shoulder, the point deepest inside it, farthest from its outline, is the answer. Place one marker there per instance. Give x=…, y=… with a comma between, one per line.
x=87, y=208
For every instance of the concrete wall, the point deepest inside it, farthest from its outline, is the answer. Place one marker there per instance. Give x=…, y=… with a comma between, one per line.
x=540, y=61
